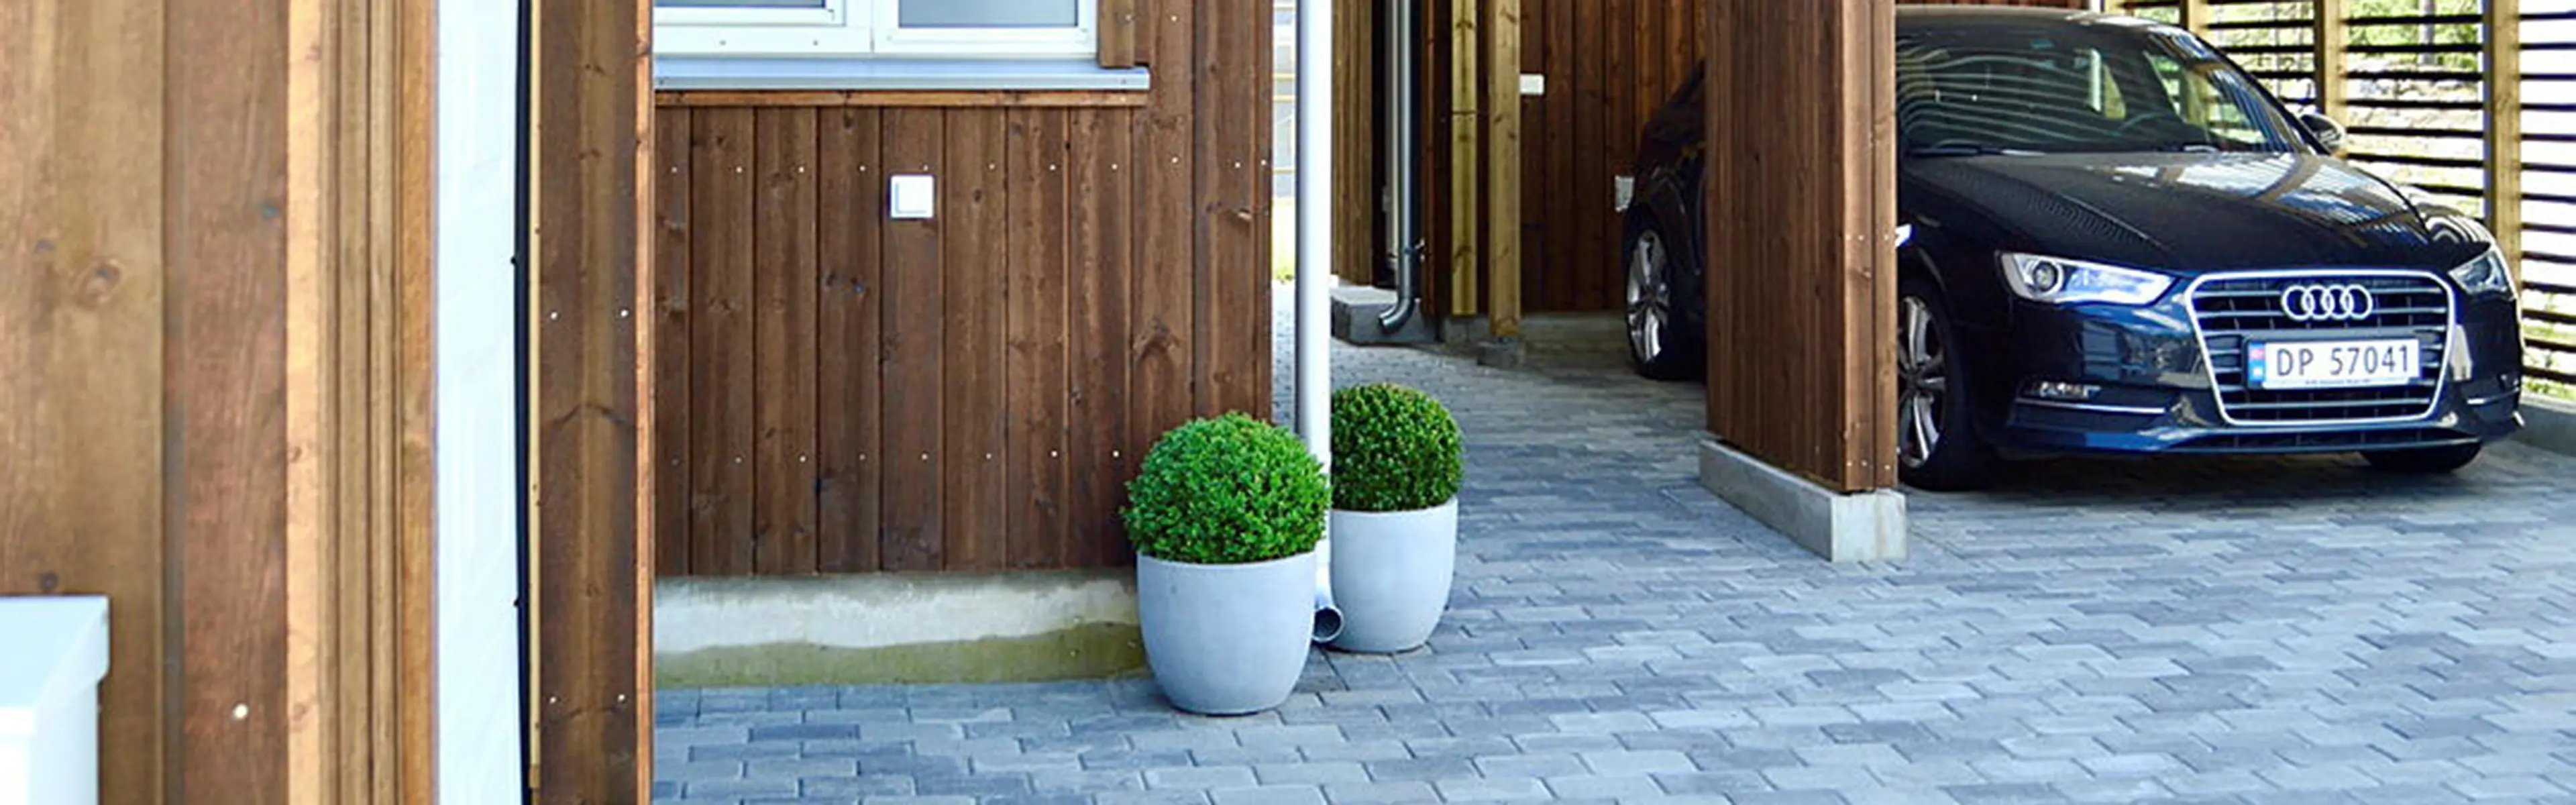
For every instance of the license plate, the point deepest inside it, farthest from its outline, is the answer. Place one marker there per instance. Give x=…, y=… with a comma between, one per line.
x=2333, y=364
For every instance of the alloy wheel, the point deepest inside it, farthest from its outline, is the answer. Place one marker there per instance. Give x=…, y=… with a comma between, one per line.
x=1923, y=382
x=1649, y=297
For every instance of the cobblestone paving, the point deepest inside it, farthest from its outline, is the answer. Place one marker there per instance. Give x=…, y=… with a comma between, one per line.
x=2257, y=630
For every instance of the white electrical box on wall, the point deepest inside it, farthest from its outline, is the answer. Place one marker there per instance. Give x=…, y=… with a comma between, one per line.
x=915, y=196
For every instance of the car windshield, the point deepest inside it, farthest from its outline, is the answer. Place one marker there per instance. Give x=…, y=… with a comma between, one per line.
x=2069, y=88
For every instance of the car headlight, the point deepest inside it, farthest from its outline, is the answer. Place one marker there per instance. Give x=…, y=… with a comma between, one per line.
x=2056, y=280
x=2486, y=275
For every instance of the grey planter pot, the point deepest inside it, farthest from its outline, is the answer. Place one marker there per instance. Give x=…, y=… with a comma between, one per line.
x=1226, y=639
x=1391, y=575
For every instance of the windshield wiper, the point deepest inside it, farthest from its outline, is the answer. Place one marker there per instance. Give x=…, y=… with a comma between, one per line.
x=1970, y=150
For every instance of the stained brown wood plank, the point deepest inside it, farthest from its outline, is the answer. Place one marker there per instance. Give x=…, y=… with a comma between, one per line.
x=915, y=430
x=1867, y=456
x=1355, y=140
x=1503, y=160
x=2329, y=42
x=1117, y=33
x=1625, y=67
x=2502, y=83
x=1038, y=386
x=1233, y=226
x=1100, y=239
x=82, y=276
x=974, y=240
x=1253, y=346
x=883, y=99
x=721, y=220
x=673, y=132
x=1162, y=338
x=404, y=671
x=591, y=263
x=1588, y=104
x=1432, y=119
x=628, y=573
x=1532, y=227
x=338, y=401
x=1555, y=146
x=850, y=319
x=1251, y=353
x=226, y=381
x=783, y=356
x=1466, y=144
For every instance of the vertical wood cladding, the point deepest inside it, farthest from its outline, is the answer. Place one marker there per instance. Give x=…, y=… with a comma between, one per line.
x=845, y=393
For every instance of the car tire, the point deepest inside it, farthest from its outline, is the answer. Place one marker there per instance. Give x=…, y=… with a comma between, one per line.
x=2425, y=460
x=1658, y=346
x=1934, y=399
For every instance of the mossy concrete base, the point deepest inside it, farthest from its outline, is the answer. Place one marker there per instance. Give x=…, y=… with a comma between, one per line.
x=1095, y=651
x=896, y=628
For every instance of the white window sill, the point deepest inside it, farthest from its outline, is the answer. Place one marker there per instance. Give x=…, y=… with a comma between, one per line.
x=683, y=73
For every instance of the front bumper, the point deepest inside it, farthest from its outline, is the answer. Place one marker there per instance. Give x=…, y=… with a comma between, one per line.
x=2145, y=384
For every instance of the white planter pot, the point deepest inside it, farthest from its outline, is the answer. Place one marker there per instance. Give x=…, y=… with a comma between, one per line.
x=1226, y=639
x=1391, y=575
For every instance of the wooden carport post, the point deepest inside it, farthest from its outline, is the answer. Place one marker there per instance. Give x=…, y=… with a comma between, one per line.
x=590, y=564
x=1801, y=206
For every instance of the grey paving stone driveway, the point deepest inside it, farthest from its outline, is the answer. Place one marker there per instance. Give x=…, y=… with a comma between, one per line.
x=2297, y=631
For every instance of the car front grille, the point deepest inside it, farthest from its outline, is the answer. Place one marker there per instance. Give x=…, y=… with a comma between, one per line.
x=2231, y=311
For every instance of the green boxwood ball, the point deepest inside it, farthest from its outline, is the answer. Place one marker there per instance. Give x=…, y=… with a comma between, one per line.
x=1395, y=448
x=1227, y=490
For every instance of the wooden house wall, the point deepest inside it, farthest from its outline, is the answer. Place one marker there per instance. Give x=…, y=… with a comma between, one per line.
x=844, y=393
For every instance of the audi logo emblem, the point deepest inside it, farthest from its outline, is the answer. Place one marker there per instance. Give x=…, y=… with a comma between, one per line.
x=2309, y=303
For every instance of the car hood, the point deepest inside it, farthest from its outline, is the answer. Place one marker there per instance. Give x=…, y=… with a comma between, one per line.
x=2189, y=213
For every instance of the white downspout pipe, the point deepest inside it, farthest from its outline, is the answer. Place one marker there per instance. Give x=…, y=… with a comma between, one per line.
x=1314, y=269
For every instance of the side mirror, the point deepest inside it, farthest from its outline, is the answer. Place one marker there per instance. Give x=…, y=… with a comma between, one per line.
x=2329, y=133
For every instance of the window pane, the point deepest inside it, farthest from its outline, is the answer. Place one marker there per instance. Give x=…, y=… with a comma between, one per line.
x=806, y=4
x=990, y=13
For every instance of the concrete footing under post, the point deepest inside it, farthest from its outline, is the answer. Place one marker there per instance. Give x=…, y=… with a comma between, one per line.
x=1841, y=527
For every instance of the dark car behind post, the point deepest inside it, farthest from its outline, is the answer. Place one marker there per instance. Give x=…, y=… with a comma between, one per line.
x=2118, y=242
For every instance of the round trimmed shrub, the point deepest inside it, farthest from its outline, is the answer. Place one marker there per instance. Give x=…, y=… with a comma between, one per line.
x=1395, y=448
x=1224, y=491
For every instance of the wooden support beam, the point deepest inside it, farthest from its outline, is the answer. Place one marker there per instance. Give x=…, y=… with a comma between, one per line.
x=2332, y=46
x=2503, y=82
x=2196, y=16
x=1502, y=224
x=1466, y=153
x=1801, y=362
x=589, y=358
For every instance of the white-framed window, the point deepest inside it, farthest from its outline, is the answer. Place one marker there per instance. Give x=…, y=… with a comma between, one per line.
x=890, y=29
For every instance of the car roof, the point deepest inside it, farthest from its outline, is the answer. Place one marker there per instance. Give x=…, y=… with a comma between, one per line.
x=1957, y=15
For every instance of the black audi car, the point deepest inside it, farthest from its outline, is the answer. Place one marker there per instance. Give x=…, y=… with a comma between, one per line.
x=2113, y=240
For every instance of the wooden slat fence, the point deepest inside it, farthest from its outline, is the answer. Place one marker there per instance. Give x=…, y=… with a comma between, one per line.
x=2464, y=99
